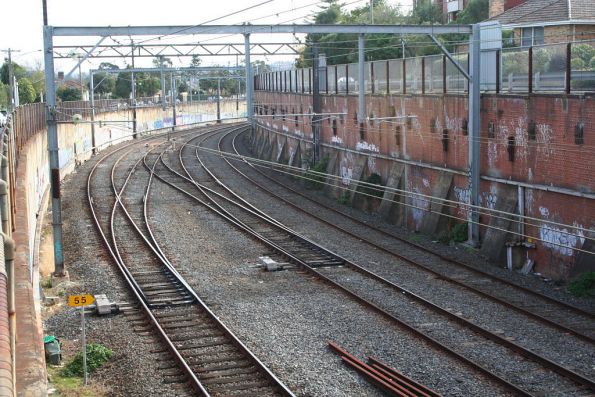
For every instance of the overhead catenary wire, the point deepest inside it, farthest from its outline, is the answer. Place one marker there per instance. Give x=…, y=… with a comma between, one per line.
x=300, y=174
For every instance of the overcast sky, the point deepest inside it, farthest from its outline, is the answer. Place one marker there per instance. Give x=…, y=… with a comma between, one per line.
x=21, y=26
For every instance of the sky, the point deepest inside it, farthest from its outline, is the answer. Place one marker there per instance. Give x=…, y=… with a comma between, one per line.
x=22, y=29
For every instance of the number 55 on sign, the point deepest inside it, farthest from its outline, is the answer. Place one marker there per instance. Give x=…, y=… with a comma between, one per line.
x=80, y=300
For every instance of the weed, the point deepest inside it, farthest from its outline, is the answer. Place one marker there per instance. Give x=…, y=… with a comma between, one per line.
x=46, y=283
x=460, y=232
x=96, y=355
x=584, y=286
x=376, y=191
x=344, y=198
x=314, y=178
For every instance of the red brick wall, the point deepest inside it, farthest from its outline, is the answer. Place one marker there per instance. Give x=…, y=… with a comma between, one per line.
x=551, y=159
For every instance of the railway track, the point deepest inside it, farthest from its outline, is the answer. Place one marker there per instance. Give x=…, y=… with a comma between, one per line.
x=278, y=238
x=209, y=359
x=547, y=310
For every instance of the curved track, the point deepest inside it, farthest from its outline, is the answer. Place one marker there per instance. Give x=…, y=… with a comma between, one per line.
x=290, y=246
x=210, y=359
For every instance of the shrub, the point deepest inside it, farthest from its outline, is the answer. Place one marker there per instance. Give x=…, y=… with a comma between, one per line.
x=584, y=286
x=344, y=198
x=378, y=190
x=583, y=52
x=313, y=178
x=460, y=232
x=577, y=64
x=97, y=355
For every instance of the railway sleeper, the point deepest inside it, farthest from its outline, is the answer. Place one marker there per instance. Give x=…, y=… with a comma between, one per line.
x=202, y=345
x=194, y=325
x=245, y=380
x=179, y=378
x=230, y=366
x=219, y=358
x=163, y=303
x=226, y=387
x=209, y=334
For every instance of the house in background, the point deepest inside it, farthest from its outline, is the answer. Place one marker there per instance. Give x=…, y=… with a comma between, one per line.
x=536, y=22
x=451, y=8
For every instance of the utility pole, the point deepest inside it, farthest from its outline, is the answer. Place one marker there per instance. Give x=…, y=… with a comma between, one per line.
x=163, y=104
x=239, y=87
x=172, y=86
x=133, y=99
x=371, y=11
x=81, y=80
x=316, y=102
x=13, y=94
x=218, y=100
x=52, y=126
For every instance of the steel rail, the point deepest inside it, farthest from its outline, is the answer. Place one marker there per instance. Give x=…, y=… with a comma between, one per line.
x=578, y=378
x=196, y=385
x=552, y=300
x=415, y=263
x=305, y=266
x=235, y=340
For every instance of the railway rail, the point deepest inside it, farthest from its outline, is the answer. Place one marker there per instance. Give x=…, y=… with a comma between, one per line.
x=209, y=358
x=300, y=250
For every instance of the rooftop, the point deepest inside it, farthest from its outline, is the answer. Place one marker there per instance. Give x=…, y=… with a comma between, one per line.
x=545, y=11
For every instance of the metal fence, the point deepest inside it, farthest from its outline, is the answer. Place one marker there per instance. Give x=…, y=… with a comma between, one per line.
x=567, y=67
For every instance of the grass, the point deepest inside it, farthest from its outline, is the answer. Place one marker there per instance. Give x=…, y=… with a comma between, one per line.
x=67, y=386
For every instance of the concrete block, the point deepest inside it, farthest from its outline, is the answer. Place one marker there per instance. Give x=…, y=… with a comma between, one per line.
x=393, y=182
x=493, y=243
x=440, y=189
x=102, y=305
x=269, y=264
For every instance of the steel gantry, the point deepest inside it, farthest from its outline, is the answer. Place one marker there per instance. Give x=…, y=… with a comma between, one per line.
x=146, y=48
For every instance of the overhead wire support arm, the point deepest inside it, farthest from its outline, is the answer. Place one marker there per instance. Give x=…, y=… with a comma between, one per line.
x=450, y=57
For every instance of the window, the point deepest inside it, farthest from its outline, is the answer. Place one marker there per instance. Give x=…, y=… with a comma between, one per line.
x=532, y=36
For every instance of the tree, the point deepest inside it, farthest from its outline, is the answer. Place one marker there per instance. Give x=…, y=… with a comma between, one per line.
x=425, y=12
x=17, y=70
x=122, y=87
x=27, y=93
x=195, y=62
x=68, y=94
x=476, y=11
x=147, y=85
x=167, y=63
x=4, y=95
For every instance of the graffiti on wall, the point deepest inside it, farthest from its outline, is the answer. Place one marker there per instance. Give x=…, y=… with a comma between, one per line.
x=559, y=239
x=346, y=168
x=365, y=146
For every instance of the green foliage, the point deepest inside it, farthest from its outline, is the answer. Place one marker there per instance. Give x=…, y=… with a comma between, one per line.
x=584, y=52
x=4, y=95
x=68, y=94
x=27, y=93
x=17, y=70
x=344, y=198
x=314, y=179
x=123, y=86
x=342, y=48
x=460, y=232
x=515, y=62
x=592, y=64
x=577, y=64
x=425, y=12
x=97, y=355
x=378, y=190
x=584, y=286
x=476, y=11
x=104, y=83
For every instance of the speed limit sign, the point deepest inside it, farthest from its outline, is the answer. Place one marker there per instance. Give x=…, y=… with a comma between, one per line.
x=80, y=300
